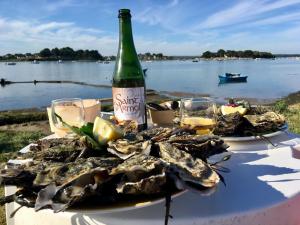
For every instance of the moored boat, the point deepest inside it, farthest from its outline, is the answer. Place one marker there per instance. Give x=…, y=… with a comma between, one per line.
x=10, y=63
x=232, y=78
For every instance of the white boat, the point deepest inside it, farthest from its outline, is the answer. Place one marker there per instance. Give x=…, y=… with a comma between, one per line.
x=60, y=61
x=10, y=63
x=35, y=62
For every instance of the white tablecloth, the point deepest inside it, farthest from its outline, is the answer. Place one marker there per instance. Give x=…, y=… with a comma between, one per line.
x=261, y=188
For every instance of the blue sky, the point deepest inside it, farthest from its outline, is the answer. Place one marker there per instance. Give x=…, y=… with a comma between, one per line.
x=173, y=27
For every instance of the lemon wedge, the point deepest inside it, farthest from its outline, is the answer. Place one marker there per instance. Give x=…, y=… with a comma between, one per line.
x=198, y=121
x=104, y=131
x=229, y=109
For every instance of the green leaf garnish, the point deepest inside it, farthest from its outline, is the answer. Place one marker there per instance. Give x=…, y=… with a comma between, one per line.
x=86, y=131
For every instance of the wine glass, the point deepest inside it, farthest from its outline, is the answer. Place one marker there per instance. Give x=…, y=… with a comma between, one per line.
x=198, y=114
x=71, y=111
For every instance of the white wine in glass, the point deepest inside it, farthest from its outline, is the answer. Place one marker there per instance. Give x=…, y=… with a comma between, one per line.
x=198, y=114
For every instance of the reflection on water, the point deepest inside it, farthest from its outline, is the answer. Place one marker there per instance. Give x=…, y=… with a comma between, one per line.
x=266, y=79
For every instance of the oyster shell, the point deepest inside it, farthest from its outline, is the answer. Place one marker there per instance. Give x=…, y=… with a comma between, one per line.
x=138, y=167
x=233, y=124
x=73, y=182
x=199, y=146
x=142, y=174
x=125, y=148
x=237, y=125
x=189, y=169
x=149, y=185
x=56, y=150
x=269, y=121
x=63, y=174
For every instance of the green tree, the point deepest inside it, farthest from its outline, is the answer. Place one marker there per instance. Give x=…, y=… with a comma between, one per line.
x=55, y=52
x=67, y=53
x=45, y=53
x=94, y=54
x=231, y=53
x=221, y=53
x=207, y=54
x=159, y=55
x=248, y=54
x=79, y=54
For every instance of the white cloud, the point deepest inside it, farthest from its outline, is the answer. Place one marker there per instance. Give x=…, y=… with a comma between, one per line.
x=244, y=11
x=166, y=15
x=55, y=5
x=33, y=36
x=291, y=17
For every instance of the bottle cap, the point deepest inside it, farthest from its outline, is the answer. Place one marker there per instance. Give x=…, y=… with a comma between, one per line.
x=124, y=13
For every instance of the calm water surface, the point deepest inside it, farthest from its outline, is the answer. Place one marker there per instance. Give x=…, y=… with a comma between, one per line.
x=267, y=79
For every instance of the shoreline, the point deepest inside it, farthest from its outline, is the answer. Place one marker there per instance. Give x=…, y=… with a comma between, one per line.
x=153, y=95
x=172, y=58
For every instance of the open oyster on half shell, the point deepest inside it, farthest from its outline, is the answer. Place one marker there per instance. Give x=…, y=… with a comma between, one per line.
x=66, y=172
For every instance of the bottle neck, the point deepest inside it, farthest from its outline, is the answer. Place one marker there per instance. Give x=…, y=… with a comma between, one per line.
x=126, y=44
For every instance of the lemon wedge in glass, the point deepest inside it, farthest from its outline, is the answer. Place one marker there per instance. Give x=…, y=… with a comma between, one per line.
x=230, y=109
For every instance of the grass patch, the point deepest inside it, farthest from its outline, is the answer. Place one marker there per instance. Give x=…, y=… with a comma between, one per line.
x=10, y=143
x=291, y=113
x=15, y=140
x=16, y=117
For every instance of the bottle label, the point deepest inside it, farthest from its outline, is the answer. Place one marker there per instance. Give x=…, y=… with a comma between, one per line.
x=129, y=104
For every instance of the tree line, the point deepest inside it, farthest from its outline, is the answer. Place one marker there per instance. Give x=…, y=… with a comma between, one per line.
x=65, y=53
x=237, y=54
x=68, y=53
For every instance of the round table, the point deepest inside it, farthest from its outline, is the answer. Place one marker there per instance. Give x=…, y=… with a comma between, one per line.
x=261, y=188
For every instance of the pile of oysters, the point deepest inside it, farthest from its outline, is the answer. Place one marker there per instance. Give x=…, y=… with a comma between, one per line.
x=63, y=173
x=258, y=120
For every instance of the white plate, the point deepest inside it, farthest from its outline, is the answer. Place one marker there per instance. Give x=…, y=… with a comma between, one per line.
x=123, y=206
x=283, y=129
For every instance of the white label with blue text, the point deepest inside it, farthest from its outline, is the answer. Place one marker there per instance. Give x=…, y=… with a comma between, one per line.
x=129, y=104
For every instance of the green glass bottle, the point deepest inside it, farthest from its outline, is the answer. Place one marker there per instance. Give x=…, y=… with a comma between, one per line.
x=128, y=86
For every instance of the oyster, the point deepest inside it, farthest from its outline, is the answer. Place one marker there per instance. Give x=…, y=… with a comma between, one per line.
x=58, y=150
x=233, y=124
x=125, y=148
x=269, y=121
x=199, y=146
x=189, y=169
x=142, y=174
x=149, y=185
x=62, y=174
x=138, y=167
x=237, y=125
x=74, y=182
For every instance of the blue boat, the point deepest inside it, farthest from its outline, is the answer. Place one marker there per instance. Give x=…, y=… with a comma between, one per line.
x=232, y=78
